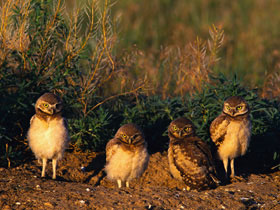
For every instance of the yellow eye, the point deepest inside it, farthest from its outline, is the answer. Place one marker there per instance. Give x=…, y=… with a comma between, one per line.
x=46, y=105
x=228, y=107
x=188, y=129
x=239, y=107
x=175, y=128
x=124, y=136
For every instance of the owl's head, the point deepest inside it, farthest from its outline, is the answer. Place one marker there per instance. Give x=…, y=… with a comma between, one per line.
x=48, y=104
x=235, y=106
x=181, y=128
x=130, y=134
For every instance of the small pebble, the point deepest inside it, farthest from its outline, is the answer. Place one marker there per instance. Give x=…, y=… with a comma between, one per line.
x=87, y=189
x=48, y=204
x=82, y=202
x=18, y=203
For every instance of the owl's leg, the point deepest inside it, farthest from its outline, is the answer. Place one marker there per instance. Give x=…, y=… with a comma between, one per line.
x=44, y=167
x=232, y=168
x=225, y=162
x=119, y=183
x=127, y=183
x=54, y=161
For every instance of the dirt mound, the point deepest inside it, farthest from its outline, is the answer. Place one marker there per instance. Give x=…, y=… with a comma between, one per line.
x=82, y=184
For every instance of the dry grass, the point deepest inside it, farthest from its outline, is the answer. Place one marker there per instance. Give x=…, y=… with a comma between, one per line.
x=178, y=70
x=85, y=30
x=14, y=37
x=250, y=27
x=271, y=87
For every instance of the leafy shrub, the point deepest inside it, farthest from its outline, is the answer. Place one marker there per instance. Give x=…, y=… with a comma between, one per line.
x=43, y=50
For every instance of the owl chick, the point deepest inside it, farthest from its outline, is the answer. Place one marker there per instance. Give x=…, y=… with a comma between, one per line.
x=48, y=134
x=231, y=131
x=190, y=159
x=126, y=154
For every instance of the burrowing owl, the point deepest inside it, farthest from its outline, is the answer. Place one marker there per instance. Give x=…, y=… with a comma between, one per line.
x=231, y=131
x=126, y=155
x=48, y=134
x=190, y=158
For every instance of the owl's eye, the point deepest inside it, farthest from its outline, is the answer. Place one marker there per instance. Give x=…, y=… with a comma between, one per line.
x=46, y=105
x=227, y=107
x=175, y=128
x=188, y=129
x=239, y=107
x=124, y=136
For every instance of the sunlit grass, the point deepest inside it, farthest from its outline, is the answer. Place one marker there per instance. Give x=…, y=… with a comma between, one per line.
x=251, y=45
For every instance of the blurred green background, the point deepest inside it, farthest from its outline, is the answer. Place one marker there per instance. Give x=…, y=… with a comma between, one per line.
x=252, y=31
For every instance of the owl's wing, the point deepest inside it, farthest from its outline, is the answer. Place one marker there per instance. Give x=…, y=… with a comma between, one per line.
x=204, y=148
x=208, y=159
x=111, y=148
x=218, y=129
x=194, y=161
x=32, y=118
x=184, y=158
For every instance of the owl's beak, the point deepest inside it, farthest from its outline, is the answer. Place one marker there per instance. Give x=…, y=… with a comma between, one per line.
x=51, y=111
x=130, y=140
x=233, y=112
x=180, y=133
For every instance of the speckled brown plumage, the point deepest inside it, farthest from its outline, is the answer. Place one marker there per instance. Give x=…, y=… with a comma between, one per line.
x=190, y=158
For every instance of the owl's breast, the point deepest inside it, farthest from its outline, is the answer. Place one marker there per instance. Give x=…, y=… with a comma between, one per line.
x=47, y=139
x=236, y=140
x=126, y=164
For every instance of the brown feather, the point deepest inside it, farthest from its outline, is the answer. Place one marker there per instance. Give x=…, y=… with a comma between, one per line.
x=190, y=159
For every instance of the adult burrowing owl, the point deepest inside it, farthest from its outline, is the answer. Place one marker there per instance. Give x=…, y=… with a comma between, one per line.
x=126, y=154
x=190, y=158
x=231, y=131
x=48, y=135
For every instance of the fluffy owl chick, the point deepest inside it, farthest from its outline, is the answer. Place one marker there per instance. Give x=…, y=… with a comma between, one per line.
x=126, y=154
x=48, y=134
x=231, y=131
x=190, y=159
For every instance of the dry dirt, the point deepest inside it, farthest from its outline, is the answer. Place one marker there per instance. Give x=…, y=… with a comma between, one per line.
x=82, y=184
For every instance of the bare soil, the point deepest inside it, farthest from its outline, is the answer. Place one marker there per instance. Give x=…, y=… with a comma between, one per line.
x=82, y=184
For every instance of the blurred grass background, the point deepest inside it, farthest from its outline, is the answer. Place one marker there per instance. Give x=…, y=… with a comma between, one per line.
x=251, y=46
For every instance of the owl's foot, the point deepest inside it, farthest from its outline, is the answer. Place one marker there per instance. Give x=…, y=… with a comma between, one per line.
x=237, y=179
